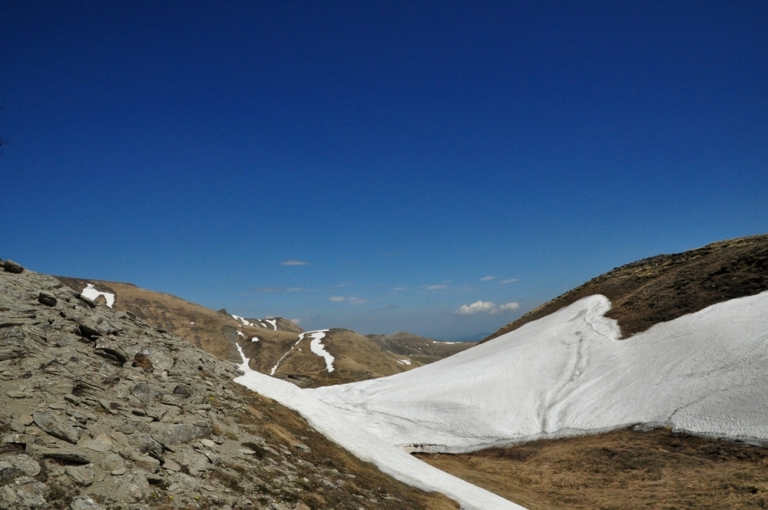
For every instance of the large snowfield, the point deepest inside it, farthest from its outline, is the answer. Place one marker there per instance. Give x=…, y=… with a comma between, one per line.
x=566, y=374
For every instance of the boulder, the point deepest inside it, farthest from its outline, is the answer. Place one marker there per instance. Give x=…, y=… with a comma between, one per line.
x=13, y=267
x=55, y=426
x=47, y=299
x=81, y=475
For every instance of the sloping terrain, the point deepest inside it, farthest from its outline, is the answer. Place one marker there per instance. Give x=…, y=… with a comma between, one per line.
x=664, y=287
x=418, y=348
x=620, y=470
x=269, y=343
x=102, y=410
x=569, y=374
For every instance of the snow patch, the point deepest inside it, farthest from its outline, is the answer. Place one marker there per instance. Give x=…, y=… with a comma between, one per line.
x=241, y=319
x=367, y=447
x=272, y=322
x=404, y=361
x=316, y=346
x=569, y=374
x=91, y=293
x=254, y=339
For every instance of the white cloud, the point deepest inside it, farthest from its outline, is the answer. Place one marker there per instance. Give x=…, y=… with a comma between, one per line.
x=399, y=288
x=436, y=287
x=296, y=321
x=352, y=300
x=486, y=307
x=487, y=278
x=293, y=263
x=476, y=307
x=511, y=280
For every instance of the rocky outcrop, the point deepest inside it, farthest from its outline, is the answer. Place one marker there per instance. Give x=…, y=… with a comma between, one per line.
x=99, y=410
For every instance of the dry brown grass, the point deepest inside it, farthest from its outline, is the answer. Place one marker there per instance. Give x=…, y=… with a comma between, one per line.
x=624, y=469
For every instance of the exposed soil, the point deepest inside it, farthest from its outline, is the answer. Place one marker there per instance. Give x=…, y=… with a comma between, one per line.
x=665, y=287
x=624, y=469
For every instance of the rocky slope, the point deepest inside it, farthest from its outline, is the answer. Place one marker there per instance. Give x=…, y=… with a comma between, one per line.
x=269, y=343
x=664, y=287
x=418, y=348
x=101, y=410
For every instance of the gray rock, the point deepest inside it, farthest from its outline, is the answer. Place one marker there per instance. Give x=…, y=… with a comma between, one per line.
x=134, y=489
x=85, y=503
x=71, y=455
x=110, y=350
x=81, y=475
x=182, y=391
x=55, y=426
x=171, y=434
x=112, y=462
x=8, y=472
x=148, y=445
x=147, y=463
x=29, y=495
x=13, y=267
x=46, y=298
x=89, y=329
x=24, y=463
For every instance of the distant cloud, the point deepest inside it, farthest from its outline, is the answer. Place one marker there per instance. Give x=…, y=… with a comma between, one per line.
x=511, y=280
x=399, y=288
x=293, y=263
x=436, y=287
x=270, y=290
x=476, y=307
x=487, y=278
x=296, y=321
x=485, y=307
x=352, y=300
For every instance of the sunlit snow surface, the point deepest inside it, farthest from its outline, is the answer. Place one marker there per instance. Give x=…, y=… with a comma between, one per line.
x=316, y=346
x=367, y=447
x=567, y=374
x=91, y=293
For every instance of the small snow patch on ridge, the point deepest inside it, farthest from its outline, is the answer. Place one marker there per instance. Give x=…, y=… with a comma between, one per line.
x=238, y=318
x=91, y=293
x=316, y=346
x=404, y=361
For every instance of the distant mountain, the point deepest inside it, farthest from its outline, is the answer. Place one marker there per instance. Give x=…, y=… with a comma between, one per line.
x=273, y=343
x=419, y=348
x=665, y=287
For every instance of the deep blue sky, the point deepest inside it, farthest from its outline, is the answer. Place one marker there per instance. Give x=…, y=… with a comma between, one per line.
x=403, y=150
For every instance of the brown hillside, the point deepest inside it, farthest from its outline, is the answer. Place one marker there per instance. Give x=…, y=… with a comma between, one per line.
x=357, y=358
x=665, y=287
x=620, y=470
x=418, y=348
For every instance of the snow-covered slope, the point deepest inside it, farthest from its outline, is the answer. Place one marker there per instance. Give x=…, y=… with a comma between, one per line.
x=567, y=374
x=391, y=460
